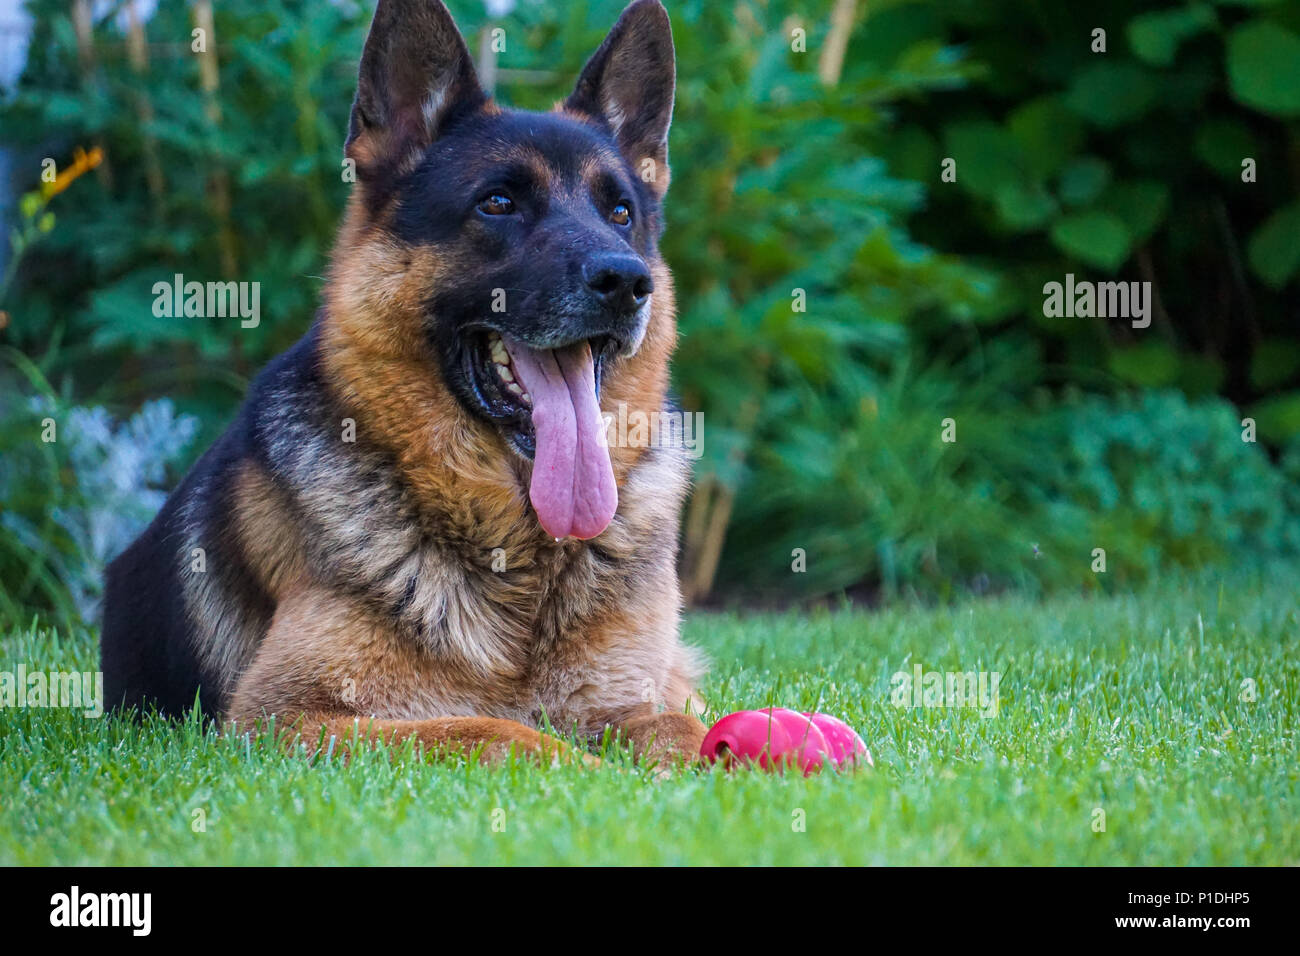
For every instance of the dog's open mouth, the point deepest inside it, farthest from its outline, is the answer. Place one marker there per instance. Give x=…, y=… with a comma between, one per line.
x=547, y=403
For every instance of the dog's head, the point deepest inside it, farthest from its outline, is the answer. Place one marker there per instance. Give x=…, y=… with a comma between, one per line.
x=517, y=250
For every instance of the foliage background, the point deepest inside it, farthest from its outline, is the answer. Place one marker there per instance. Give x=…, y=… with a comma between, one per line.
x=822, y=428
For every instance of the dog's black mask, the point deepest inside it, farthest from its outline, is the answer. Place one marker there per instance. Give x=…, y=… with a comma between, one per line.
x=539, y=230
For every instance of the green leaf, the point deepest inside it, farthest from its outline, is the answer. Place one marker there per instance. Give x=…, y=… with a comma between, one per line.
x=1278, y=418
x=1151, y=365
x=1264, y=66
x=1139, y=203
x=1223, y=143
x=1274, y=249
x=1200, y=374
x=1273, y=362
x=1048, y=133
x=1155, y=37
x=987, y=157
x=912, y=153
x=1111, y=94
x=1097, y=238
x=1024, y=207
x=29, y=205
x=1083, y=180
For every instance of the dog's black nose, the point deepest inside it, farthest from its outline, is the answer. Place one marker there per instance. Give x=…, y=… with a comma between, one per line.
x=622, y=282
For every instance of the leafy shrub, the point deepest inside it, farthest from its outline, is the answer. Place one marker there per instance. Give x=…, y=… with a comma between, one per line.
x=1020, y=498
x=923, y=297
x=874, y=496
x=1175, y=484
x=70, y=505
x=1165, y=158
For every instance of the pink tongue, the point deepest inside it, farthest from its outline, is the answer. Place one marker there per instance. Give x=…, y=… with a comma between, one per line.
x=573, y=488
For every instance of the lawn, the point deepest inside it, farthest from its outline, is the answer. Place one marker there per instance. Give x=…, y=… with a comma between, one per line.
x=1130, y=706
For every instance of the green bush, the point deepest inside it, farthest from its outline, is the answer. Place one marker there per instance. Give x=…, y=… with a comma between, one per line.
x=1021, y=497
x=838, y=299
x=871, y=492
x=76, y=487
x=1174, y=483
x=1124, y=164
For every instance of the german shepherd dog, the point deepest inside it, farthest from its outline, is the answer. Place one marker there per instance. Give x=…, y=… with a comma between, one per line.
x=416, y=527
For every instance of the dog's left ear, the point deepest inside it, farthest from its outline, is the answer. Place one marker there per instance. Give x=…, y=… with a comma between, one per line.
x=628, y=84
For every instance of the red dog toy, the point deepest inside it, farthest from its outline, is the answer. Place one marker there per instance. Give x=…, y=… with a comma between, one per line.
x=775, y=738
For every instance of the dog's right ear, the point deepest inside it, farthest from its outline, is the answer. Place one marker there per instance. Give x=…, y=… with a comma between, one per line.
x=416, y=74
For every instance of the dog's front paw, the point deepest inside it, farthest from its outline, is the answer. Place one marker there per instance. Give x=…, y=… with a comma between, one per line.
x=503, y=739
x=670, y=741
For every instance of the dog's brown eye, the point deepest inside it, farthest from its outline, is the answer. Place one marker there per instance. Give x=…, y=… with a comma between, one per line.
x=498, y=204
x=621, y=215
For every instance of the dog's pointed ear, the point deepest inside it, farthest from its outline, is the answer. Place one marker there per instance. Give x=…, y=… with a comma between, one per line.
x=416, y=73
x=628, y=84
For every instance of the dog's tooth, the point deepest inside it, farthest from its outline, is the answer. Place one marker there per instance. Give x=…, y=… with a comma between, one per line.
x=528, y=399
x=514, y=387
x=505, y=373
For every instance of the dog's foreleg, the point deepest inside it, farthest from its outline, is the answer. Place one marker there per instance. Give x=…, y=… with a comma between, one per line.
x=488, y=739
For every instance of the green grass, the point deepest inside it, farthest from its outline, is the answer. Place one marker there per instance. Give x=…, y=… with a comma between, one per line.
x=1129, y=704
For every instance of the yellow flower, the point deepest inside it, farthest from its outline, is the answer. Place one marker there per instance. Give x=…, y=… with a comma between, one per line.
x=82, y=162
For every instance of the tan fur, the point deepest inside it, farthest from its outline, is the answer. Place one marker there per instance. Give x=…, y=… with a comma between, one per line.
x=270, y=540
x=563, y=634
x=608, y=664
x=492, y=741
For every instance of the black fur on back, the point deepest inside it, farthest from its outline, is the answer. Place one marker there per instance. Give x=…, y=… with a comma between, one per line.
x=148, y=655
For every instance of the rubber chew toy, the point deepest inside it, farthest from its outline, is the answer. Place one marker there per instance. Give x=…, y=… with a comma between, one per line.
x=775, y=738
